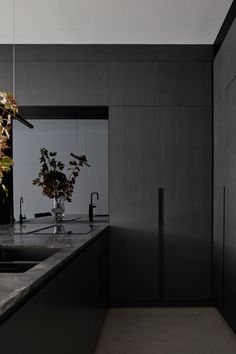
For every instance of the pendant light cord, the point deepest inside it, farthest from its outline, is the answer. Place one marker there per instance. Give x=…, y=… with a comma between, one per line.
x=14, y=51
x=16, y=115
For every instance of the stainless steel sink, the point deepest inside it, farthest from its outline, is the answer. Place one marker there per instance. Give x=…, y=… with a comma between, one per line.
x=19, y=253
x=16, y=267
x=19, y=259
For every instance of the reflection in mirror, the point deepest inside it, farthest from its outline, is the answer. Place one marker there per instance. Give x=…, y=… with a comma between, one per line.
x=88, y=137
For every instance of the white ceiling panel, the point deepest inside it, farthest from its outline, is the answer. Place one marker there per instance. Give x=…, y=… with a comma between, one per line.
x=113, y=21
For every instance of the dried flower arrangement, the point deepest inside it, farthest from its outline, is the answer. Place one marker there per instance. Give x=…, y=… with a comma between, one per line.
x=54, y=182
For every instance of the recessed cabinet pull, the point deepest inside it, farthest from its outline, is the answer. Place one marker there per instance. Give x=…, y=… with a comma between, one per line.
x=161, y=243
x=223, y=232
x=161, y=210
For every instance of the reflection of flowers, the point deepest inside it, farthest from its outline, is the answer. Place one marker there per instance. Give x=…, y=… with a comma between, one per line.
x=53, y=180
x=7, y=104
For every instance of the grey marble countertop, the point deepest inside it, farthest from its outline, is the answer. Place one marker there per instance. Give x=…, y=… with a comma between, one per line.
x=14, y=287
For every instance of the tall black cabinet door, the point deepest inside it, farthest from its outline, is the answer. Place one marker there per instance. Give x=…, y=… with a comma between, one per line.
x=135, y=176
x=187, y=176
x=230, y=208
x=219, y=204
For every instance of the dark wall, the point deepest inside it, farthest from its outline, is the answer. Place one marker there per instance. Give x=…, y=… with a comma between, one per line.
x=225, y=177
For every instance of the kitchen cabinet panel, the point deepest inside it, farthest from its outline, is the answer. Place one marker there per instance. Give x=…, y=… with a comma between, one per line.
x=135, y=83
x=153, y=52
x=71, y=302
x=6, y=76
x=24, y=330
x=61, y=83
x=160, y=83
x=187, y=182
x=135, y=176
x=219, y=204
x=69, y=314
x=152, y=148
x=224, y=245
x=230, y=207
x=219, y=76
x=225, y=63
x=229, y=53
x=186, y=84
x=230, y=256
x=111, y=52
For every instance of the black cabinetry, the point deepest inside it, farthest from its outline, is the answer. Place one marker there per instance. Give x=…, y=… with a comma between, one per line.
x=160, y=83
x=153, y=148
x=61, y=83
x=225, y=178
x=135, y=176
x=67, y=314
x=187, y=182
x=230, y=207
x=219, y=205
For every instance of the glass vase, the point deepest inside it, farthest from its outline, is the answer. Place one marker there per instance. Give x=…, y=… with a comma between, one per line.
x=58, y=209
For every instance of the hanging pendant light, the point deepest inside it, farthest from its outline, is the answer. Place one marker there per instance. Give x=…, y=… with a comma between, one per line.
x=18, y=117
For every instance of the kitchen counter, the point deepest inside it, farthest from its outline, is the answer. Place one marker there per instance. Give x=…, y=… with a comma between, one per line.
x=15, y=287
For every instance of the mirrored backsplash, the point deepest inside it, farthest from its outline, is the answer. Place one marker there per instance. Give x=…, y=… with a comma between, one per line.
x=82, y=137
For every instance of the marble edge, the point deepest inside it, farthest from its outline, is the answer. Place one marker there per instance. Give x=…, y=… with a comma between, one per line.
x=15, y=287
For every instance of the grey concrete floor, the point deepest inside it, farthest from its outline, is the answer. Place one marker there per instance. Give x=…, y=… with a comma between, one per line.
x=166, y=331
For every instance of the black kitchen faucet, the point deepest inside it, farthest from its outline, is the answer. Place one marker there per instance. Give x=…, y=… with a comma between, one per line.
x=91, y=205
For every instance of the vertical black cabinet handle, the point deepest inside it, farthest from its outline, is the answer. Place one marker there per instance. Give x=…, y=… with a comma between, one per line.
x=161, y=243
x=223, y=258
x=161, y=210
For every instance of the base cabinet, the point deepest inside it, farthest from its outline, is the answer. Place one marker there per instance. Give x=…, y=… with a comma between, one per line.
x=67, y=314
